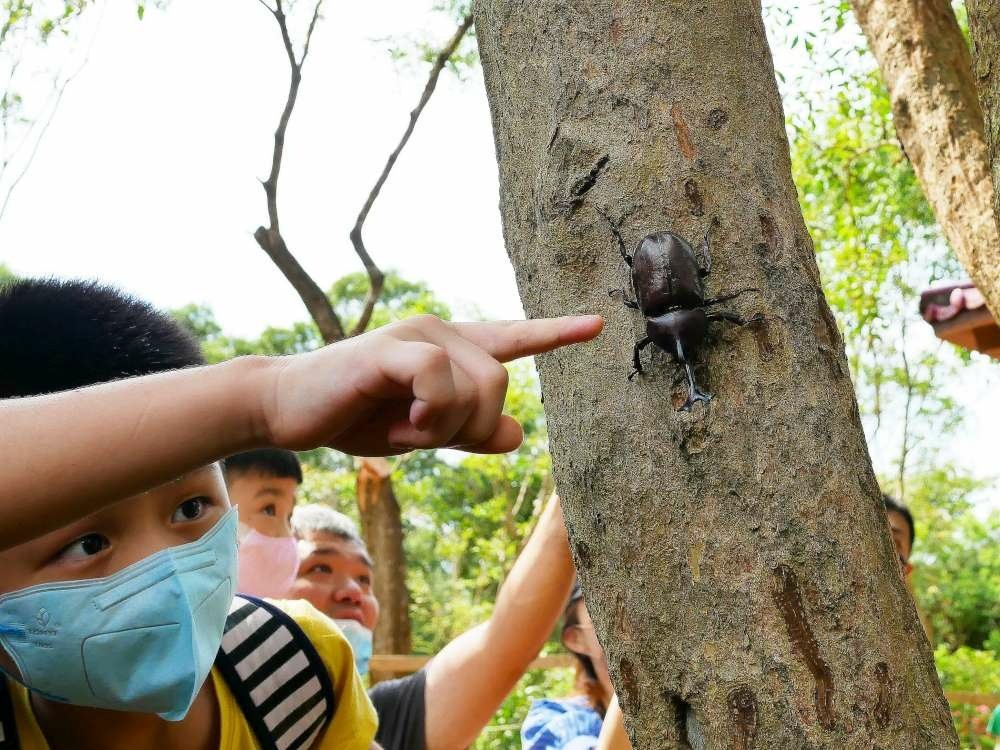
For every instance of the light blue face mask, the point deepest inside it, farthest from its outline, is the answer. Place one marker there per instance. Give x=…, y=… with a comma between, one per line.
x=143, y=639
x=360, y=639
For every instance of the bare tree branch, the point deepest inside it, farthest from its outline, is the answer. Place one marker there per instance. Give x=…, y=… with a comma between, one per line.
x=374, y=274
x=59, y=88
x=269, y=238
x=309, y=33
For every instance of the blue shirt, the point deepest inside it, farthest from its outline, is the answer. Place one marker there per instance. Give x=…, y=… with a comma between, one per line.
x=567, y=724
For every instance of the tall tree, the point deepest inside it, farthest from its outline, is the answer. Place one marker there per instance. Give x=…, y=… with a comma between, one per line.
x=736, y=556
x=927, y=67
x=984, y=28
x=382, y=528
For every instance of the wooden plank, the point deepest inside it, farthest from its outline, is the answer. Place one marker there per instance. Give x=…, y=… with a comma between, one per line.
x=973, y=699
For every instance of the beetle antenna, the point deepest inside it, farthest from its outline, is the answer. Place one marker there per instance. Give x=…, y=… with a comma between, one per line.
x=616, y=230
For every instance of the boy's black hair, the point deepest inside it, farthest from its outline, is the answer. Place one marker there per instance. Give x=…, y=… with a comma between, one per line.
x=57, y=335
x=891, y=504
x=271, y=462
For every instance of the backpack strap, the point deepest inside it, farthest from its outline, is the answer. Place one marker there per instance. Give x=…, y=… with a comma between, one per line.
x=8, y=724
x=278, y=679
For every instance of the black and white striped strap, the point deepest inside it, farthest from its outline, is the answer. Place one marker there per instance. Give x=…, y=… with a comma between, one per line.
x=8, y=724
x=277, y=677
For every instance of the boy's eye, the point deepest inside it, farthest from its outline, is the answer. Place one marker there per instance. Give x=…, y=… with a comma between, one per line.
x=269, y=510
x=365, y=580
x=320, y=568
x=84, y=547
x=190, y=510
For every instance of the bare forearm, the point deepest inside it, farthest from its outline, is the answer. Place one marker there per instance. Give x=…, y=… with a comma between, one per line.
x=473, y=674
x=71, y=453
x=613, y=735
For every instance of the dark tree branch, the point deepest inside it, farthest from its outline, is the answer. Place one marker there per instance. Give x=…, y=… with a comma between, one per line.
x=374, y=274
x=269, y=238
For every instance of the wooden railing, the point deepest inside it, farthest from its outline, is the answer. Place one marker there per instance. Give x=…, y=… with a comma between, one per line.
x=401, y=663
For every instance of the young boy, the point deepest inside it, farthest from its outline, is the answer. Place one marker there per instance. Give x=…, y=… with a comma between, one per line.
x=122, y=625
x=262, y=484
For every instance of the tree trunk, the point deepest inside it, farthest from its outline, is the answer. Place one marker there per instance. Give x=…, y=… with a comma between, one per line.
x=736, y=557
x=984, y=27
x=382, y=528
x=926, y=66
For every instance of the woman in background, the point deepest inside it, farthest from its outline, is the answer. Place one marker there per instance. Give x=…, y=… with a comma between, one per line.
x=576, y=723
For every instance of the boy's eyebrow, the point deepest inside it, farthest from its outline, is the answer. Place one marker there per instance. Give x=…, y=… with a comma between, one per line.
x=268, y=491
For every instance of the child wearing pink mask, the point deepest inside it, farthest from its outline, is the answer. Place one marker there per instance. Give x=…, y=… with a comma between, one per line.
x=262, y=484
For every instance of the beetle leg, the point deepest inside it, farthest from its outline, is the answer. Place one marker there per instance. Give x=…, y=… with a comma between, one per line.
x=728, y=317
x=727, y=297
x=618, y=236
x=628, y=302
x=639, y=346
x=694, y=393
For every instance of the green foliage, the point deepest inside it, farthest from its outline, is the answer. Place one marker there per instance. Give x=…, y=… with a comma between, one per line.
x=878, y=246
x=6, y=274
x=414, y=50
x=967, y=670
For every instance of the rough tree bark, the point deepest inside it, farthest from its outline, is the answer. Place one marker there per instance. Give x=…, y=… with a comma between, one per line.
x=984, y=27
x=736, y=557
x=926, y=66
x=382, y=528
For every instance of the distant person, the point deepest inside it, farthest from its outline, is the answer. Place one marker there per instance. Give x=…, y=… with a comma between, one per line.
x=993, y=726
x=902, y=530
x=262, y=484
x=445, y=705
x=573, y=723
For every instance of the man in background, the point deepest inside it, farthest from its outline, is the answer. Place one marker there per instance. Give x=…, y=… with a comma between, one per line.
x=446, y=704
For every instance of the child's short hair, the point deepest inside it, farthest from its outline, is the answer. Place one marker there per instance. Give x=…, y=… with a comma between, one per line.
x=57, y=335
x=271, y=462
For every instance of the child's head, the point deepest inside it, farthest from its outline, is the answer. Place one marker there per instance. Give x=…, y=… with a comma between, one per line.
x=262, y=485
x=57, y=335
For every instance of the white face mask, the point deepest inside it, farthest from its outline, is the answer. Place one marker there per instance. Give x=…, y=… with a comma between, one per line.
x=360, y=639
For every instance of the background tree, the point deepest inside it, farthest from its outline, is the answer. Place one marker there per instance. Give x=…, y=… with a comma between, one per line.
x=926, y=65
x=984, y=28
x=735, y=571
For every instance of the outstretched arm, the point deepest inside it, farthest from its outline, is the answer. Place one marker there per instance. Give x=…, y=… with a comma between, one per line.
x=472, y=675
x=613, y=735
x=419, y=383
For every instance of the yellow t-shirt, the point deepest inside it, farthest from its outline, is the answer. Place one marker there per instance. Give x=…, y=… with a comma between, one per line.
x=351, y=728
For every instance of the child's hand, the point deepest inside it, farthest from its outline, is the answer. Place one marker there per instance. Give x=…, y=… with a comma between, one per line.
x=419, y=383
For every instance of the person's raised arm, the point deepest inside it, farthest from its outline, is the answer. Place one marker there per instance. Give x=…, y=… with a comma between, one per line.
x=469, y=679
x=613, y=735
x=419, y=383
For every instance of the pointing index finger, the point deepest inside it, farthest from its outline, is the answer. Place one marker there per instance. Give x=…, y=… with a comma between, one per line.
x=507, y=340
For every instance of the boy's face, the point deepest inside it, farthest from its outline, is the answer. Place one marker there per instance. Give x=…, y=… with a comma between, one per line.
x=336, y=577
x=265, y=502
x=117, y=536
x=120, y=534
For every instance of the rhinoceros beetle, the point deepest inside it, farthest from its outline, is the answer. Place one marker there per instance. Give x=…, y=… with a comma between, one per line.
x=667, y=282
